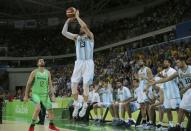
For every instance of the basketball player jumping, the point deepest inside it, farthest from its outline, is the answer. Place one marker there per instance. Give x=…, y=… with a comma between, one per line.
x=84, y=65
x=41, y=83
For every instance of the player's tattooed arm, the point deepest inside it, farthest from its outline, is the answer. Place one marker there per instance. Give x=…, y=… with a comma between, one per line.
x=149, y=74
x=161, y=99
x=84, y=26
x=167, y=78
x=65, y=32
x=29, y=85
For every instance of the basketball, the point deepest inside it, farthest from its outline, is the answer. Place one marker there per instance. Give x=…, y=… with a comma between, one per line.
x=70, y=12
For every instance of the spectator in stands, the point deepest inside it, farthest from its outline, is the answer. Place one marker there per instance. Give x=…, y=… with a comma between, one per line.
x=19, y=95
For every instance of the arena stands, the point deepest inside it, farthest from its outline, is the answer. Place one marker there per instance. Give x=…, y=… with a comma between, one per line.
x=49, y=41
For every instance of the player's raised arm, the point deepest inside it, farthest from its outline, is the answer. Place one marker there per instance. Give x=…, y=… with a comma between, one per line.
x=65, y=32
x=84, y=26
x=29, y=85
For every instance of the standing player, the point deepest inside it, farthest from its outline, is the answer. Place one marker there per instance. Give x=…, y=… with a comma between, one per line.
x=171, y=92
x=84, y=65
x=41, y=84
x=184, y=74
x=156, y=101
x=144, y=74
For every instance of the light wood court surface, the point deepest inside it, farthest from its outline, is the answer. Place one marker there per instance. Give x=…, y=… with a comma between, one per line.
x=21, y=126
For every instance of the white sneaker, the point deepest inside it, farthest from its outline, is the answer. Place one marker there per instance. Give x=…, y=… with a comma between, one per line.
x=144, y=126
x=83, y=110
x=159, y=127
x=76, y=109
x=170, y=125
x=149, y=127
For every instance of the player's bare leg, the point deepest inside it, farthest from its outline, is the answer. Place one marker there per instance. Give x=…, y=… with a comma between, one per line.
x=75, y=96
x=85, y=104
x=51, y=124
x=34, y=117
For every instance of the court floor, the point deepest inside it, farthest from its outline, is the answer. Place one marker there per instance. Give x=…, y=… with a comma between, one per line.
x=64, y=125
x=22, y=126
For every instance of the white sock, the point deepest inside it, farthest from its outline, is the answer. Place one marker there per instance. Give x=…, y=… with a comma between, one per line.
x=182, y=124
x=101, y=117
x=75, y=102
x=160, y=122
x=85, y=104
x=171, y=123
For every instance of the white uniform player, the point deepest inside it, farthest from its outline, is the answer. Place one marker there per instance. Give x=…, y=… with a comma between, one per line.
x=84, y=65
x=171, y=90
x=185, y=78
x=134, y=106
x=142, y=97
x=123, y=94
x=106, y=97
x=94, y=97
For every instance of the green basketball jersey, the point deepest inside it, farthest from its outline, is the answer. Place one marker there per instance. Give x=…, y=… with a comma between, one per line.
x=40, y=83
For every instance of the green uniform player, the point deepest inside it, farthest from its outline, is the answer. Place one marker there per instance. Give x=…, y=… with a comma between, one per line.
x=40, y=91
x=41, y=84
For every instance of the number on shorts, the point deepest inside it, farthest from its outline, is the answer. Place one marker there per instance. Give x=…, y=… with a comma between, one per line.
x=188, y=80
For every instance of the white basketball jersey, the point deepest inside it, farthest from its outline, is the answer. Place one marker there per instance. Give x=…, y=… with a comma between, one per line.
x=170, y=88
x=124, y=93
x=84, y=48
x=143, y=72
x=186, y=80
x=107, y=96
x=157, y=78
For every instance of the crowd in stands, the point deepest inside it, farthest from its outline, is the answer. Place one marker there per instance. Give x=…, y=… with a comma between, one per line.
x=49, y=41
